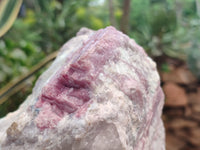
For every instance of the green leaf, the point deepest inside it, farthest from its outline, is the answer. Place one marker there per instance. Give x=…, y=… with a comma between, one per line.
x=8, y=13
x=18, y=54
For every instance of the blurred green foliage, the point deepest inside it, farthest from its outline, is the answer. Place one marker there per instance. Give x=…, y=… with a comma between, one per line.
x=46, y=26
x=194, y=60
x=19, y=52
x=162, y=27
x=193, y=53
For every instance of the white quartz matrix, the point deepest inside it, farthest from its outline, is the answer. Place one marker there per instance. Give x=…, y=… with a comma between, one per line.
x=101, y=93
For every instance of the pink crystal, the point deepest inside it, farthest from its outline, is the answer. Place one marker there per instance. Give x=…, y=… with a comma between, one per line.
x=101, y=92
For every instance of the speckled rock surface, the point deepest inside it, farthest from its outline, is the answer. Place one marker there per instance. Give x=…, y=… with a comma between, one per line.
x=101, y=92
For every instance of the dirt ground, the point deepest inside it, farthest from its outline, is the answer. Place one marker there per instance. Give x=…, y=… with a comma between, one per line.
x=181, y=113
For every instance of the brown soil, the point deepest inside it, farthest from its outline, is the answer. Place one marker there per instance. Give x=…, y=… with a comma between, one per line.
x=181, y=113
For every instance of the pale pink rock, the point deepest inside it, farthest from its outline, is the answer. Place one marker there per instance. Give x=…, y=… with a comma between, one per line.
x=101, y=92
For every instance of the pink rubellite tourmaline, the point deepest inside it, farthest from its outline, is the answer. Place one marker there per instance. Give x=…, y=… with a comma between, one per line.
x=101, y=92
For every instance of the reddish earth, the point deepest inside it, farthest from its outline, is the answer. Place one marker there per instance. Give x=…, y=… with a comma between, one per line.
x=181, y=112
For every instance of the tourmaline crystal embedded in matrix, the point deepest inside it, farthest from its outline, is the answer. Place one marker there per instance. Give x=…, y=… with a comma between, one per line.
x=101, y=93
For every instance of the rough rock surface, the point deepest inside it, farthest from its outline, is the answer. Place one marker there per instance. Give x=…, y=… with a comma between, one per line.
x=101, y=92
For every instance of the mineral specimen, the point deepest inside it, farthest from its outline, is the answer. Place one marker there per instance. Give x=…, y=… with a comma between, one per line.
x=101, y=93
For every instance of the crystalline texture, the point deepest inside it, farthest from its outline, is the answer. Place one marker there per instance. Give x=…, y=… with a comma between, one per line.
x=101, y=92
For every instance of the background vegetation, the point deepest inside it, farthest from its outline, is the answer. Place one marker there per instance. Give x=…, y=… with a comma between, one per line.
x=169, y=28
